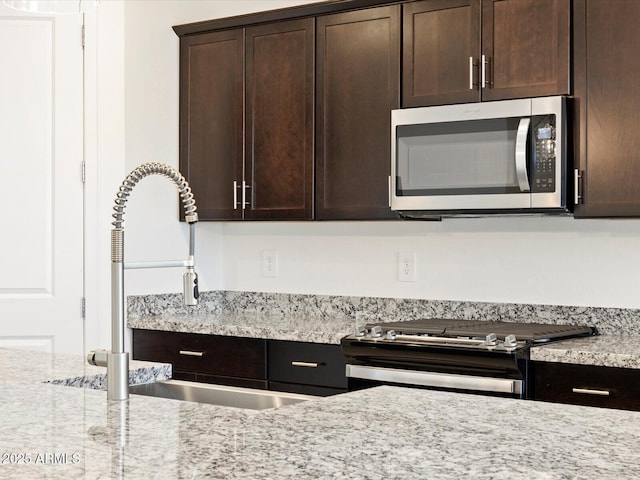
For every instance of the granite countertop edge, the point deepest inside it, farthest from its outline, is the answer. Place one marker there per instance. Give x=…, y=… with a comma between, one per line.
x=622, y=351
x=619, y=351
x=292, y=328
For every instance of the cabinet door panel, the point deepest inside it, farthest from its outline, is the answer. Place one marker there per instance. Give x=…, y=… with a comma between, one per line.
x=306, y=363
x=527, y=43
x=211, y=83
x=358, y=77
x=279, y=120
x=203, y=354
x=587, y=385
x=439, y=37
x=608, y=106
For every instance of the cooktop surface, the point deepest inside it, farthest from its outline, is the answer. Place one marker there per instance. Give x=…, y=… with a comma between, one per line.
x=447, y=327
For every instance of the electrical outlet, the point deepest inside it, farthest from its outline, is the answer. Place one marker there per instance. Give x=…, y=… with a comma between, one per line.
x=407, y=266
x=269, y=263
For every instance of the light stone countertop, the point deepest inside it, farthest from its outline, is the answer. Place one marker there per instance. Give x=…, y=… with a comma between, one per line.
x=300, y=328
x=57, y=432
x=30, y=367
x=604, y=350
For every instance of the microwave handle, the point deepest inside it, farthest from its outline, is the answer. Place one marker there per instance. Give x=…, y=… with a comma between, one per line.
x=521, y=154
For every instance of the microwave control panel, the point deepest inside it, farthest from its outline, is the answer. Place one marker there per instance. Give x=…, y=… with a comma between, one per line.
x=544, y=135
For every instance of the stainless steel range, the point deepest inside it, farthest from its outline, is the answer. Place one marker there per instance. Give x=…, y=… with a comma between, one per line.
x=467, y=355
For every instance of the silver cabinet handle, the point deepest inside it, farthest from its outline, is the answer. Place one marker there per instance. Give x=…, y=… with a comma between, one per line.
x=471, y=84
x=305, y=364
x=235, y=195
x=244, y=194
x=485, y=62
x=588, y=391
x=191, y=353
x=521, y=154
x=576, y=186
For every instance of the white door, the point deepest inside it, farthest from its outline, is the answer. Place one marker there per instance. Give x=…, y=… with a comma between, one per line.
x=41, y=193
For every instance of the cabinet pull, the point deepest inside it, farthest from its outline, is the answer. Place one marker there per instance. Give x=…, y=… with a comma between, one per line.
x=471, y=65
x=485, y=63
x=576, y=186
x=304, y=364
x=191, y=353
x=588, y=391
x=235, y=195
x=244, y=194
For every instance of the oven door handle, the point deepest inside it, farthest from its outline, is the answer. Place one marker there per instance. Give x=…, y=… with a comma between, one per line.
x=521, y=154
x=432, y=379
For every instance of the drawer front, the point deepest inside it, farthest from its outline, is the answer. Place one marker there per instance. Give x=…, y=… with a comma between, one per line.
x=587, y=385
x=306, y=363
x=315, y=390
x=208, y=354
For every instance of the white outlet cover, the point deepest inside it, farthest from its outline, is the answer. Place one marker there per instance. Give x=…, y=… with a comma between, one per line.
x=407, y=266
x=269, y=263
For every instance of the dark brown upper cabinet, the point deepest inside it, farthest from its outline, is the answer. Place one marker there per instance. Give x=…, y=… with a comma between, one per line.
x=441, y=41
x=211, y=112
x=357, y=86
x=262, y=76
x=526, y=45
x=459, y=51
x=607, y=107
x=279, y=120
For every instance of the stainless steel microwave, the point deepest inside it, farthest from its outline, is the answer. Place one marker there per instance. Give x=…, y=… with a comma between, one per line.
x=480, y=158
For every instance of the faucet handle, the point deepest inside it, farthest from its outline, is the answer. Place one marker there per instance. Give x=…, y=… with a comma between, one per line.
x=97, y=358
x=190, y=281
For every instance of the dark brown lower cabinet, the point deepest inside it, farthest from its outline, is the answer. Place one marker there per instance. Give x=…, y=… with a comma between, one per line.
x=236, y=361
x=590, y=385
x=287, y=366
x=311, y=368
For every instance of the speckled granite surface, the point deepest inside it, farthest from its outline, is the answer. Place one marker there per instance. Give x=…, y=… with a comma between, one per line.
x=261, y=306
x=255, y=325
x=606, y=351
x=27, y=367
x=54, y=432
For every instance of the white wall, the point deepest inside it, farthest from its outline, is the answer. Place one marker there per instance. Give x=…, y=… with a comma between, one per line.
x=525, y=260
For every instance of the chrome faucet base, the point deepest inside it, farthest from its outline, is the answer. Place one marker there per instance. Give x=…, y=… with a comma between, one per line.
x=117, y=376
x=117, y=372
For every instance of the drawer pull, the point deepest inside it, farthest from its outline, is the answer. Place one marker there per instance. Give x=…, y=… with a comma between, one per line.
x=305, y=364
x=190, y=353
x=588, y=391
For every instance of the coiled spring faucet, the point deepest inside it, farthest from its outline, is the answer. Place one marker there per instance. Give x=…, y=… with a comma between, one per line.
x=117, y=360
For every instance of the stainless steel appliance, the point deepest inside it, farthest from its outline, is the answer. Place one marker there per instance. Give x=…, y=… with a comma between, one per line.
x=467, y=355
x=481, y=158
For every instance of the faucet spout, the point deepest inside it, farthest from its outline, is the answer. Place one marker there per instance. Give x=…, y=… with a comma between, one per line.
x=117, y=360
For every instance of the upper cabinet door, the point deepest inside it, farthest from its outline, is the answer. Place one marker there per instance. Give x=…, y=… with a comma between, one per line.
x=279, y=120
x=357, y=86
x=211, y=95
x=607, y=107
x=441, y=45
x=526, y=47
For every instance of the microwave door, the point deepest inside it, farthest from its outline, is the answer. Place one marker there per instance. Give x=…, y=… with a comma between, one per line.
x=475, y=165
x=521, y=154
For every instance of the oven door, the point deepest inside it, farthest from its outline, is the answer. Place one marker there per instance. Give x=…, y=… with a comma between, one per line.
x=484, y=157
x=437, y=366
x=362, y=376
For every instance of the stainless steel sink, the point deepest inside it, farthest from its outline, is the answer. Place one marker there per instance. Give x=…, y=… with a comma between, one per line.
x=218, y=394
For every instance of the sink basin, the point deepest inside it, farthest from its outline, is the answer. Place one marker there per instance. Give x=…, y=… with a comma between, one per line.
x=218, y=394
